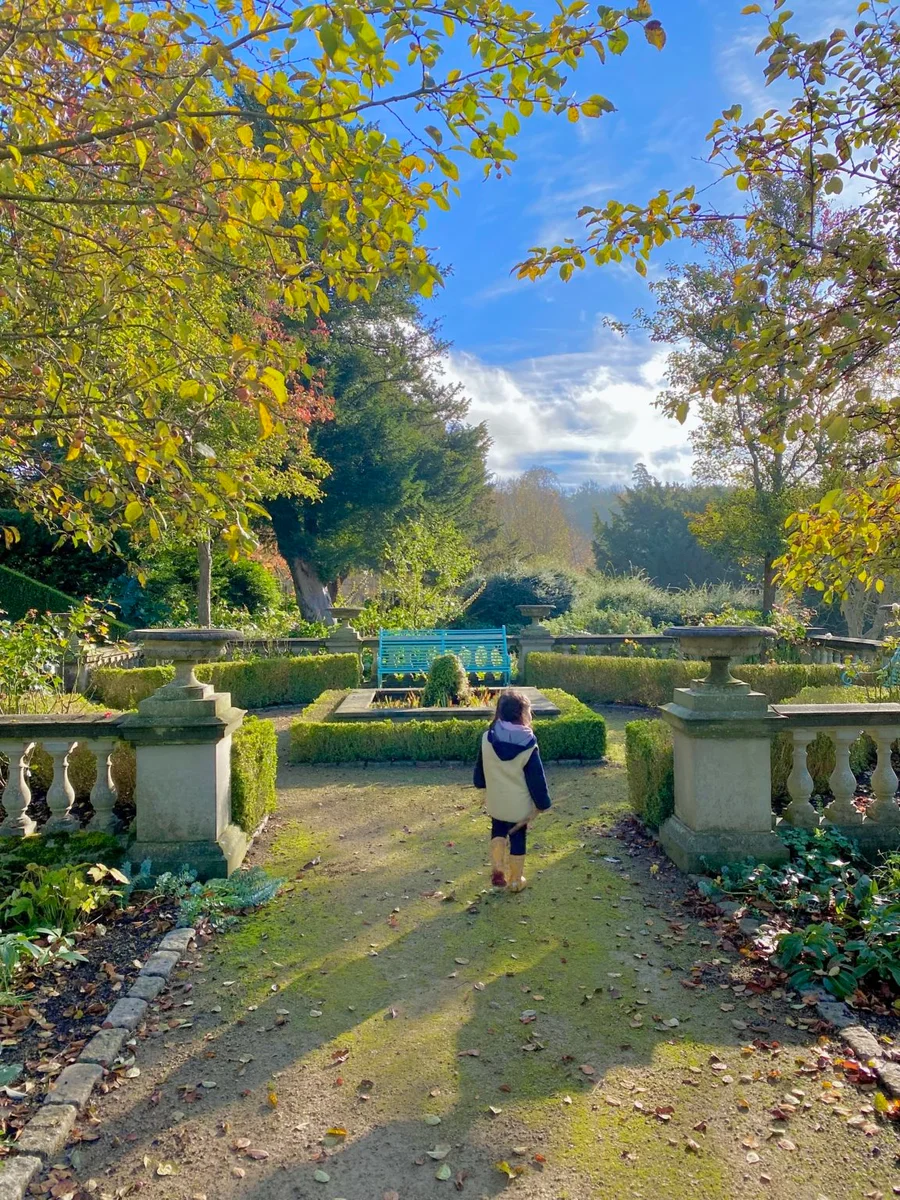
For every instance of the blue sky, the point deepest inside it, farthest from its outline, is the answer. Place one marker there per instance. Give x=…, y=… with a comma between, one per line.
x=556, y=387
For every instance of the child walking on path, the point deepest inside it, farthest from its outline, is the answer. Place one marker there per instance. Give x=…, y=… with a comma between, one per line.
x=509, y=768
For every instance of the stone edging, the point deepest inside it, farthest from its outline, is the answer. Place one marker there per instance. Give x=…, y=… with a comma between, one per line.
x=48, y=1130
x=861, y=1041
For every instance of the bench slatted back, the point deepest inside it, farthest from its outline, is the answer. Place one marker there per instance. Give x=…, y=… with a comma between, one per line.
x=411, y=652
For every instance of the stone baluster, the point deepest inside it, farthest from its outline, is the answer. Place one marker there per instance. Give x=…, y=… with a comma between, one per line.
x=884, y=779
x=17, y=793
x=800, y=811
x=103, y=794
x=61, y=794
x=843, y=781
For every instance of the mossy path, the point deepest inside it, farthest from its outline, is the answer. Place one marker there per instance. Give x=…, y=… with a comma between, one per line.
x=550, y=1031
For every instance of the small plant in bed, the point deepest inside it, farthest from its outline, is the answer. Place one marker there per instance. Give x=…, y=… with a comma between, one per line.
x=447, y=683
x=475, y=698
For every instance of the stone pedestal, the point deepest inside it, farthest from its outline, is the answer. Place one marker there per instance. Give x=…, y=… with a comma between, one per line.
x=343, y=638
x=535, y=637
x=722, y=734
x=182, y=738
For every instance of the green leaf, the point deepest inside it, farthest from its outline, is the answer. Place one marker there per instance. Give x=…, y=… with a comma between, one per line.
x=133, y=511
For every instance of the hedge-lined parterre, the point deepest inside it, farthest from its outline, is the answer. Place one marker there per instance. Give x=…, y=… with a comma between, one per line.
x=577, y=733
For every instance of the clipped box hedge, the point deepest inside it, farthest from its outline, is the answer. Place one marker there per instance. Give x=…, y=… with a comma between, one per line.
x=650, y=682
x=651, y=770
x=19, y=594
x=577, y=733
x=255, y=684
x=254, y=765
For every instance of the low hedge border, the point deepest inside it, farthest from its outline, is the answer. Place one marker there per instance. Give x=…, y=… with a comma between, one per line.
x=650, y=682
x=258, y=683
x=254, y=765
x=577, y=734
x=651, y=770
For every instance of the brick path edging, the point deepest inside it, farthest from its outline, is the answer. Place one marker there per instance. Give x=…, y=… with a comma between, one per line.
x=861, y=1041
x=46, y=1133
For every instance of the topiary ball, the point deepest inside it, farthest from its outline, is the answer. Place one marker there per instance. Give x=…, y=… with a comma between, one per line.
x=447, y=683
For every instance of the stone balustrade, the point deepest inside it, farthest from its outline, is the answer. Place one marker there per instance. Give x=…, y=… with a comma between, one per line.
x=879, y=825
x=59, y=736
x=722, y=735
x=181, y=737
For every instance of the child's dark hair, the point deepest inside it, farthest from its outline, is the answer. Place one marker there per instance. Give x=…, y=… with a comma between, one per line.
x=513, y=706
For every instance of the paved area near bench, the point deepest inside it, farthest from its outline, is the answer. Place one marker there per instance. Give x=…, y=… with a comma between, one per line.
x=592, y=1037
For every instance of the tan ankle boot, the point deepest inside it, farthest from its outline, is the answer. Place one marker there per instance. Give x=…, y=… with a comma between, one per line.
x=517, y=880
x=499, y=848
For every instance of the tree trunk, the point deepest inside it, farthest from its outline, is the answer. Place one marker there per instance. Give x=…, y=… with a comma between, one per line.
x=768, y=596
x=204, y=585
x=313, y=599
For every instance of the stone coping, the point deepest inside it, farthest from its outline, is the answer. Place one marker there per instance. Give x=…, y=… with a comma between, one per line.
x=36, y=726
x=358, y=707
x=686, y=632
x=805, y=716
x=46, y=1133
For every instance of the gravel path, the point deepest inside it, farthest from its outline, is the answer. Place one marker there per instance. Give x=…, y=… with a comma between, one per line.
x=591, y=1034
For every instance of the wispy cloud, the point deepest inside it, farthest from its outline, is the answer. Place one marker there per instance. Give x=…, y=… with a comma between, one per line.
x=588, y=415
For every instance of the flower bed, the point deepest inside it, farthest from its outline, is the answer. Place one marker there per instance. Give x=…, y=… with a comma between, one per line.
x=577, y=734
x=838, y=920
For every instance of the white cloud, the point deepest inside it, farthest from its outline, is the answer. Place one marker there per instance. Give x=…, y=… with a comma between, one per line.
x=588, y=415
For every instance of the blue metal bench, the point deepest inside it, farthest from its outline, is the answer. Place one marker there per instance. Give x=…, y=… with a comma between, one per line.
x=409, y=652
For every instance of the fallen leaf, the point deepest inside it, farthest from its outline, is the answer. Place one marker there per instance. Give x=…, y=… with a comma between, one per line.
x=321, y=1176
x=439, y=1152
x=432, y=1119
x=469, y=1054
x=443, y=1172
x=587, y=1069
x=510, y=1172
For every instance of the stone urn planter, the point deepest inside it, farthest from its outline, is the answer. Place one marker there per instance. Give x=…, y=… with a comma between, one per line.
x=185, y=648
x=343, y=638
x=345, y=614
x=537, y=612
x=719, y=644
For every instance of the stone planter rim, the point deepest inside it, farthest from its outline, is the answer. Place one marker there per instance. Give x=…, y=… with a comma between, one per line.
x=194, y=636
x=695, y=632
x=535, y=610
x=345, y=612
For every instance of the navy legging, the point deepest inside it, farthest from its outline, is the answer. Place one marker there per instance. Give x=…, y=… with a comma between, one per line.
x=516, y=840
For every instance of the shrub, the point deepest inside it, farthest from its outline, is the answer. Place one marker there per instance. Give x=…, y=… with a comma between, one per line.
x=651, y=771
x=633, y=604
x=255, y=684
x=650, y=682
x=497, y=604
x=577, y=733
x=254, y=763
x=122, y=689
x=447, y=682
